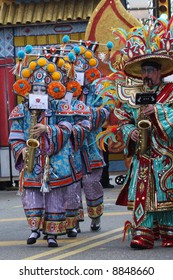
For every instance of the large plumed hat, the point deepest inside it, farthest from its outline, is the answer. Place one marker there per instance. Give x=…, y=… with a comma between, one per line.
x=133, y=66
x=149, y=43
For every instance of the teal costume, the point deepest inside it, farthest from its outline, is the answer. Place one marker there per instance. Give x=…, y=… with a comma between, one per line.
x=148, y=189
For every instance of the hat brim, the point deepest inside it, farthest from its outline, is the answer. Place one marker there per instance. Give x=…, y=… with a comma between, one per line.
x=132, y=67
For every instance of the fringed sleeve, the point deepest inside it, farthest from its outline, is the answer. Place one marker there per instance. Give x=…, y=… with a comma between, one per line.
x=163, y=120
x=99, y=116
x=80, y=132
x=58, y=136
x=17, y=137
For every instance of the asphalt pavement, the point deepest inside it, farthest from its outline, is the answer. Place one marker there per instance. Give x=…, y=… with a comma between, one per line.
x=105, y=244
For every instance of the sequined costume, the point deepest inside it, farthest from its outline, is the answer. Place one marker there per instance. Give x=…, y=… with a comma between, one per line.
x=54, y=201
x=148, y=187
x=146, y=121
x=91, y=183
x=56, y=144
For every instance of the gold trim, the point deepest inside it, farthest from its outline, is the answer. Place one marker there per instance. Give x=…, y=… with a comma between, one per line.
x=127, y=93
x=107, y=20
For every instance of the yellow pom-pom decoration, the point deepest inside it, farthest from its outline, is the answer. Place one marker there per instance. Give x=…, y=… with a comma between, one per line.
x=88, y=54
x=60, y=62
x=32, y=65
x=66, y=58
x=67, y=66
x=93, y=62
x=26, y=73
x=51, y=67
x=82, y=49
x=56, y=76
x=42, y=61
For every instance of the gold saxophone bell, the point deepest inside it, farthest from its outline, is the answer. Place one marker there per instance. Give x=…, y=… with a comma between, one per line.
x=32, y=144
x=144, y=136
x=144, y=125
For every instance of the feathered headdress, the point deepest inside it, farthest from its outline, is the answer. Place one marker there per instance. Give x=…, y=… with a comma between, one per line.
x=152, y=42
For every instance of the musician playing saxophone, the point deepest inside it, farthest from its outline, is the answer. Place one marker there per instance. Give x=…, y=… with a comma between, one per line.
x=38, y=128
x=151, y=76
x=148, y=188
x=48, y=188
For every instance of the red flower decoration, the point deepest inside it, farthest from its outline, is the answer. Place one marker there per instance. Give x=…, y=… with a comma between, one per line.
x=114, y=129
x=22, y=87
x=92, y=74
x=56, y=90
x=75, y=87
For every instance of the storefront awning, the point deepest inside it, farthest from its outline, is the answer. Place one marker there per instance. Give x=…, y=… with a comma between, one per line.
x=20, y=12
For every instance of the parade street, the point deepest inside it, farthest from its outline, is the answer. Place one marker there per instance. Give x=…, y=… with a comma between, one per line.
x=105, y=244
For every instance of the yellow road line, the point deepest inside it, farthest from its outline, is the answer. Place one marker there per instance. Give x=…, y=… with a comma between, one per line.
x=12, y=220
x=87, y=247
x=18, y=206
x=116, y=213
x=39, y=241
x=12, y=243
x=77, y=243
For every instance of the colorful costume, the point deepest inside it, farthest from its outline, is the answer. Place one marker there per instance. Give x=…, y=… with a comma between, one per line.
x=91, y=155
x=50, y=189
x=94, y=192
x=148, y=188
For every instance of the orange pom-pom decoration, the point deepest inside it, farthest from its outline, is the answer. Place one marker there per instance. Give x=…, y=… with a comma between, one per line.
x=22, y=87
x=114, y=129
x=92, y=74
x=75, y=87
x=57, y=90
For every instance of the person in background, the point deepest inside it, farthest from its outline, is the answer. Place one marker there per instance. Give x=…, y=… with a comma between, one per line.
x=91, y=155
x=105, y=180
x=92, y=186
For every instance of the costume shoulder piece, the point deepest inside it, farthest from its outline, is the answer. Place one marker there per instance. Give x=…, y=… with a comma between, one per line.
x=63, y=107
x=80, y=108
x=17, y=112
x=127, y=93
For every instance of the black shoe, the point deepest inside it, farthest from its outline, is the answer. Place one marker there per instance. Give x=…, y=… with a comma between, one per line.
x=52, y=242
x=33, y=237
x=78, y=227
x=72, y=232
x=95, y=224
x=45, y=236
x=108, y=186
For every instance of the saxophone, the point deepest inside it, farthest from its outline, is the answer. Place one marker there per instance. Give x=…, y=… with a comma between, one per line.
x=144, y=126
x=31, y=143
